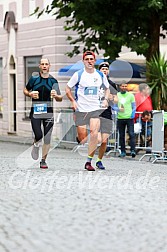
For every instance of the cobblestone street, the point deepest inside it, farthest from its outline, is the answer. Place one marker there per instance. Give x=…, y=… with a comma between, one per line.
x=68, y=209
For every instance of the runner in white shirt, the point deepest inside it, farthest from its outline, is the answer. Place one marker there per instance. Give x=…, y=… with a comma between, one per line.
x=90, y=86
x=88, y=90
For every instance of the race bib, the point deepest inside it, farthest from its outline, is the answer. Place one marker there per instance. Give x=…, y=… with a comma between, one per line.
x=40, y=108
x=90, y=91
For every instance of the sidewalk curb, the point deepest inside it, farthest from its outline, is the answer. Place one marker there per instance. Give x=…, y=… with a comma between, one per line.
x=16, y=139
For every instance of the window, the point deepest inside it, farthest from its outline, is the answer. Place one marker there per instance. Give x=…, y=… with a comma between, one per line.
x=31, y=67
x=1, y=90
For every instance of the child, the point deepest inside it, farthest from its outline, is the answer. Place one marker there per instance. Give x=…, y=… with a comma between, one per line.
x=146, y=121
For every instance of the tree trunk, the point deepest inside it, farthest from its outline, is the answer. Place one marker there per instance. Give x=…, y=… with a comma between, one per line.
x=159, y=100
x=154, y=34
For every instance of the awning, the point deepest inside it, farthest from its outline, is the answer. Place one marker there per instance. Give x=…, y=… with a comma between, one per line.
x=118, y=68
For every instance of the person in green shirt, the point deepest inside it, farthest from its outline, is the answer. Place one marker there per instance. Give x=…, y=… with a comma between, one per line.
x=126, y=108
x=165, y=118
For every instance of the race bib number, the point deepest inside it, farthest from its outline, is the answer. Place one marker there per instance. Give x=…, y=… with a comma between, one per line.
x=40, y=108
x=90, y=91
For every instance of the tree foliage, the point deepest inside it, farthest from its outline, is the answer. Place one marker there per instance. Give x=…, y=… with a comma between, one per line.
x=110, y=24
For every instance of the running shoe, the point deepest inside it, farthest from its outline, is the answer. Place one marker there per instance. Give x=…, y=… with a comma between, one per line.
x=35, y=152
x=133, y=154
x=88, y=167
x=122, y=154
x=43, y=164
x=100, y=166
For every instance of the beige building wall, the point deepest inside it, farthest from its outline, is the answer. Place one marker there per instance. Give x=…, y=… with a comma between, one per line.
x=22, y=35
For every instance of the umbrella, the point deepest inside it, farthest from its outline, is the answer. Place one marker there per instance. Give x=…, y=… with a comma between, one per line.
x=118, y=68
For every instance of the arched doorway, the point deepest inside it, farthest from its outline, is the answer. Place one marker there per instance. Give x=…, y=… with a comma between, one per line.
x=11, y=27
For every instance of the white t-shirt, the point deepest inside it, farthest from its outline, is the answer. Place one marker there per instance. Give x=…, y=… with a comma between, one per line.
x=89, y=90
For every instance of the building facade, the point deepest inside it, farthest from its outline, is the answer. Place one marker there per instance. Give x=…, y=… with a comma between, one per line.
x=24, y=39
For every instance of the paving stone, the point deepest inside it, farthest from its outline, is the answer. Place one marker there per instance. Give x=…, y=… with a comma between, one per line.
x=68, y=209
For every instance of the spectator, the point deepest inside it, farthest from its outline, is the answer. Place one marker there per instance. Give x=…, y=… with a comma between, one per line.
x=146, y=130
x=126, y=109
x=146, y=121
x=143, y=100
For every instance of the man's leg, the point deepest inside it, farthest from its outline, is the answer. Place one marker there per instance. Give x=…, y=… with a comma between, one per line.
x=36, y=127
x=103, y=146
x=94, y=129
x=130, y=126
x=82, y=134
x=48, y=128
x=121, y=124
x=102, y=150
x=106, y=130
x=93, y=141
x=45, y=150
x=81, y=122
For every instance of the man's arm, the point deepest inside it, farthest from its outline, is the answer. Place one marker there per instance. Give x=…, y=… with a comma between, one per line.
x=56, y=96
x=107, y=93
x=133, y=104
x=31, y=94
x=26, y=92
x=106, y=98
x=70, y=97
x=55, y=92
